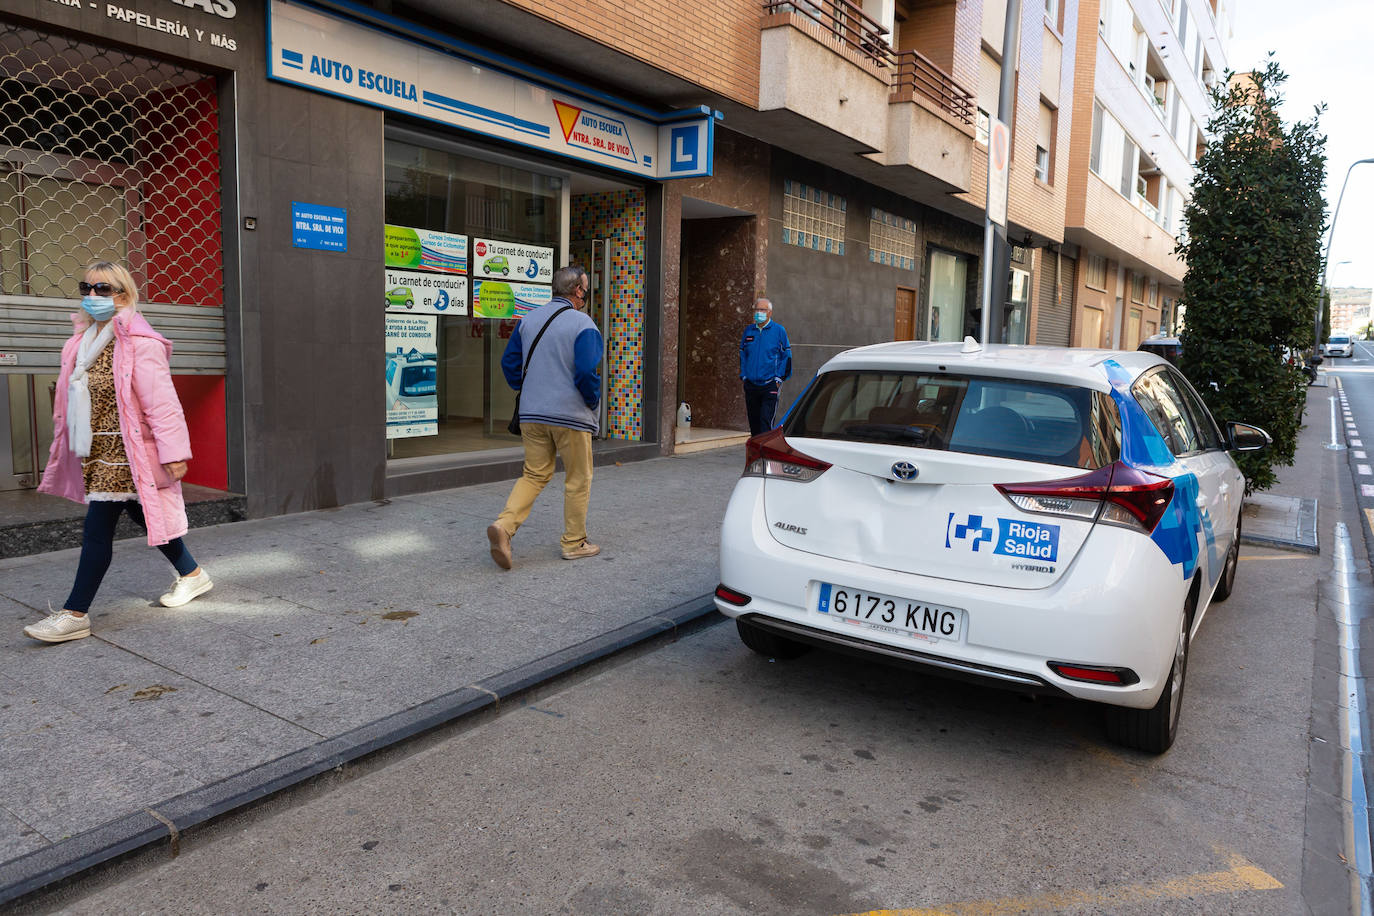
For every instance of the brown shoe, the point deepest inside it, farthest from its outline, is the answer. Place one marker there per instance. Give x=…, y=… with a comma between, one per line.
x=587, y=549
x=500, y=545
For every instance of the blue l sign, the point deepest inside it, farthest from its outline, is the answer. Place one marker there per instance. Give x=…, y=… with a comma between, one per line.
x=684, y=148
x=684, y=142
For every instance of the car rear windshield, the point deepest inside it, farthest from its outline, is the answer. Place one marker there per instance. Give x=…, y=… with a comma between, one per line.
x=1004, y=418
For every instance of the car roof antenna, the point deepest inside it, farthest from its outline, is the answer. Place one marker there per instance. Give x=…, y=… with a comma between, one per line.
x=970, y=346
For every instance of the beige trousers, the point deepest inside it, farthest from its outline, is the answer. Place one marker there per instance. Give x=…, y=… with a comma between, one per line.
x=542, y=443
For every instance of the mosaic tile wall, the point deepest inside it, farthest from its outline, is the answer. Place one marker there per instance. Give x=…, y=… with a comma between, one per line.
x=619, y=216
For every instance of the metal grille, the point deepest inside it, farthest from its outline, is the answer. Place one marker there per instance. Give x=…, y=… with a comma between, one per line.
x=106, y=155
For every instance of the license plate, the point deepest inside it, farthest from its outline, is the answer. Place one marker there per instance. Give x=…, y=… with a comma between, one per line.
x=890, y=614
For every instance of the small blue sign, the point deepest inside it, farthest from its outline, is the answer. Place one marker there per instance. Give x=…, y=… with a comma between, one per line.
x=684, y=143
x=320, y=227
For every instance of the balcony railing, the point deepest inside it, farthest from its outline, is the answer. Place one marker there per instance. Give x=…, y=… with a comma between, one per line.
x=917, y=74
x=845, y=21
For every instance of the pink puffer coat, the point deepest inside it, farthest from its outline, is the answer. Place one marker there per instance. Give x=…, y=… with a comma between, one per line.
x=150, y=418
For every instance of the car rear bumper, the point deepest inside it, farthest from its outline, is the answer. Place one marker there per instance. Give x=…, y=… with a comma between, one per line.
x=1119, y=605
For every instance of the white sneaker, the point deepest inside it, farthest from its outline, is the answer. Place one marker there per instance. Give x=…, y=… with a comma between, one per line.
x=60, y=627
x=187, y=587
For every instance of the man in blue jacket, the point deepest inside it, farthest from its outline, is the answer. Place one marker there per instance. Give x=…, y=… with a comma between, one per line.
x=765, y=362
x=559, y=393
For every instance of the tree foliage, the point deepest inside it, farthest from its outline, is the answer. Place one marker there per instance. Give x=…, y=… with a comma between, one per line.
x=1253, y=251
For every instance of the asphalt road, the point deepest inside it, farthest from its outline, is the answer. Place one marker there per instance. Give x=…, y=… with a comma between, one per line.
x=703, y=779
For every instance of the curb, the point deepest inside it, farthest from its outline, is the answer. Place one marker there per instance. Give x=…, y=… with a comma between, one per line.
x=69, y=858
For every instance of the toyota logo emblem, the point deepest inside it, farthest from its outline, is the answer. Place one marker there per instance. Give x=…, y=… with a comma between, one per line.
x=904, y=470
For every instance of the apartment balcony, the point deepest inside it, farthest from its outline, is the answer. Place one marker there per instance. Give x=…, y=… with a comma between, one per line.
x=832, y=87
x=930, y=123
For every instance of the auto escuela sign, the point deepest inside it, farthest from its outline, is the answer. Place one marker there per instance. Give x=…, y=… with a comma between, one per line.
x=330, y=54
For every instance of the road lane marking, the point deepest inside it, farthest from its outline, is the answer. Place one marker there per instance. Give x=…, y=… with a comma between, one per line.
x=1369, y=513
x=1367, y=489
x=1363, y=469
x=1360, y=454
x=1240, y=875
x=1288, y=557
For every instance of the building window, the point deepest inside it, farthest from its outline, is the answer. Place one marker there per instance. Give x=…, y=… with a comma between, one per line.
x=812, y=218
x=1044, y=142
x=984, y=127
x=1137, y=287
x=1095, y=153
x=891, y=240
x=989, y=89
x=1096, y=274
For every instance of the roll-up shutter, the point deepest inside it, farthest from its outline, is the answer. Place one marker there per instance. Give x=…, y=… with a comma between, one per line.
x=1055, y=306
x=33, y=330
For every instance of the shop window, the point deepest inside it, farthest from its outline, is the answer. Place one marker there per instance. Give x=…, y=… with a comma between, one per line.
x=891, y=240
x=812, y=218
x=1018, y=305
x=106, y=154
x=944, y=316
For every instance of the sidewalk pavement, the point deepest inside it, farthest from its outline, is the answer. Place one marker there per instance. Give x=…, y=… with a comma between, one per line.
x=333, y=634
x=328, y=635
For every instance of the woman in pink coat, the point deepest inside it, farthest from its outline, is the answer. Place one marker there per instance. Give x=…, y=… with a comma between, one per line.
x=119, y=444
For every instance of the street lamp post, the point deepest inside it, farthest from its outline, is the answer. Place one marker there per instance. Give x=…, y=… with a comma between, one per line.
x=1326, y=259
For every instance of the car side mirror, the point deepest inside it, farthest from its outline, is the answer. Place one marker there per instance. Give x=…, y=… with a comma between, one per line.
x=1246, y=438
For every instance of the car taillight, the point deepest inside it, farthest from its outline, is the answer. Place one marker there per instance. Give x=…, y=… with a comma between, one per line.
x=1117, y=494
x=730, y=596
x=769, y=455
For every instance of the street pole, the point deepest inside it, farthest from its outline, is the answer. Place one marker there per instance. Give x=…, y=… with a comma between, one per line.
x=1326, y=259
x=996, y=252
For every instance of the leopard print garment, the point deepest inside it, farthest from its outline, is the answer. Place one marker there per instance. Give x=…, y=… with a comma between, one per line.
x=106, y=471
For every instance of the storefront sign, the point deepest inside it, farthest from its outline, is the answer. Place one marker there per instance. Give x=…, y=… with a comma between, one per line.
x=314, y=49
x=512, y=261
x=499, y=299
x=318, y=226
x=422, y=249
x=426, y=293
x=412, y=376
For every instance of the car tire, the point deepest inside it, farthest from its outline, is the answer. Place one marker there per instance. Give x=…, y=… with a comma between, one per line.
x=1153, y=730
x=766, y=642
x=1227, y=583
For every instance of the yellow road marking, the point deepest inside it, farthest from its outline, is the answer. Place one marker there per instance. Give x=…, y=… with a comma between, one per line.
x=1240, y=875
x=1369, y=517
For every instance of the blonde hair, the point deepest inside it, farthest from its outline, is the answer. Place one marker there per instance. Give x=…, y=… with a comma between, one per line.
x=121, y=277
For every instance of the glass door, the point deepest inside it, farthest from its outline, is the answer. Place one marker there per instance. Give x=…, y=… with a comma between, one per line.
x=595, y=256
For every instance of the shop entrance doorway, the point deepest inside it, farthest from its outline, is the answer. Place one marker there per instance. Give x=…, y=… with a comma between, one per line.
x=595, y=257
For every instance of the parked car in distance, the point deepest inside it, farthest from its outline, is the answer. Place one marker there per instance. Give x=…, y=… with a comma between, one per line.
x=1171, y=348
x=1047, y=519
x=1339, y=345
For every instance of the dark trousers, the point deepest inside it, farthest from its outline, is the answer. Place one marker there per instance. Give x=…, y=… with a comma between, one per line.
x=760, y=402
x=97, y=547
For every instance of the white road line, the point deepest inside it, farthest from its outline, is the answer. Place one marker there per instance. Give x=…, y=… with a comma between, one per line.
x=1367, y=489
x=1360, y=454
x=1352, y=713
x=1363, y=469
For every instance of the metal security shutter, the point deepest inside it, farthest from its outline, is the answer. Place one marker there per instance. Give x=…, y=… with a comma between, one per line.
x=110, y=155
x=1055, y=311
x=33, y=330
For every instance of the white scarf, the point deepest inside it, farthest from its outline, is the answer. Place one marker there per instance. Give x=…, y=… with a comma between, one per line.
x=79, y=389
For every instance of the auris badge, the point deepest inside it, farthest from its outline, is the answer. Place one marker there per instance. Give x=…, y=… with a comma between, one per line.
x=904, y=470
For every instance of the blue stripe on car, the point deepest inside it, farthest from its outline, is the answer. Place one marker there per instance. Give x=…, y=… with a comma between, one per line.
x=1143, y=447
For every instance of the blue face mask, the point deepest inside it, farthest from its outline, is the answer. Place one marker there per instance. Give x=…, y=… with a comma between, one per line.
x=760, y=318
x=101, y=308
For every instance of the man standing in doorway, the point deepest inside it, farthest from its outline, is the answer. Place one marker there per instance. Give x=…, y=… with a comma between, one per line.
x=560, y=389
x=765, y=362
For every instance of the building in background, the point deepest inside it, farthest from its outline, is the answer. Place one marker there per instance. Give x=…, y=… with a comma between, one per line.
x=339, y=210
x=1143, y=72
x=1350, y=308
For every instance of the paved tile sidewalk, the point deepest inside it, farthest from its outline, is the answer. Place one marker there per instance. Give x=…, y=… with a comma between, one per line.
x=320, y=625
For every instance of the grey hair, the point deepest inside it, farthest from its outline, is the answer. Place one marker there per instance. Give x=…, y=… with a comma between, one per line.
x=765, y=302
x=567, y=279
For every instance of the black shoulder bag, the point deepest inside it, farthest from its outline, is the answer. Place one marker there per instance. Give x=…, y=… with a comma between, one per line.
x=513, y=427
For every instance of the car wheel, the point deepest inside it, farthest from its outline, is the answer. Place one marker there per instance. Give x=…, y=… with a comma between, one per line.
x=1153, y=730
x=1227, y=582
x=410, y=303
x=766, y=642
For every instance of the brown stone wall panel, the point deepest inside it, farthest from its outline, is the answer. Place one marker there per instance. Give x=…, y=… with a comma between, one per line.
x=712, y=43
x=720, y=300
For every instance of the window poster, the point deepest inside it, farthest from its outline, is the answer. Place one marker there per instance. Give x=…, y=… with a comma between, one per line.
x=499, y=299
x=412, y=402
x=426, y=293
x=512, y=261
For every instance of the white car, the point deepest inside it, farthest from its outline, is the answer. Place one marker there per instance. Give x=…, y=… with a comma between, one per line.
x=1049, y=519
x=1340, y=345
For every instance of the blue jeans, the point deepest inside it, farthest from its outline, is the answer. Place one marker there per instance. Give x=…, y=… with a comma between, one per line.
x=97, y=548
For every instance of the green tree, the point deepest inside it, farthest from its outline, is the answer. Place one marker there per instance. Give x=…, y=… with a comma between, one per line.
x=1253, y=250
